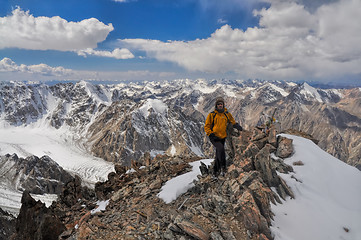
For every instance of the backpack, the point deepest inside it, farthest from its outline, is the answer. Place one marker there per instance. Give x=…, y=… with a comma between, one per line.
x=214, y=115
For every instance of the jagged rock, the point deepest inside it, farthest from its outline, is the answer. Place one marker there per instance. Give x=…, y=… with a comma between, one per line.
x=263, y=164
x=35, y=221
x=246, y=178
x=216, y=236
x=279, y=165
x=204, y=169
x=36, y=175
x=272, y=136
x=251, y=150
x=262, y=195
x=252, y=216
x=7, y=224
x=283, y=187
x=119, y=169
x=285, y=148
x=261, y=142
x=193, y=230
x=247, y=164
x=73, y=191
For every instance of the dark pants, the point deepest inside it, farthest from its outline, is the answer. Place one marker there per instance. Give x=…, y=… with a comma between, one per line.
x=220, y=160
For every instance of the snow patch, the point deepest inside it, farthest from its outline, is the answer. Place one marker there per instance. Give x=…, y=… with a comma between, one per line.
x=310, y=91
x=278, y=89
x=101, y=206
x=157, y=105
x=179, y=185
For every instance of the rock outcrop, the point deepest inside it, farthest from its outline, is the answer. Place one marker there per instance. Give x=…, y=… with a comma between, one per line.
x=36, y=175
x=236, y=206
x=7, y=224
x=35, y=221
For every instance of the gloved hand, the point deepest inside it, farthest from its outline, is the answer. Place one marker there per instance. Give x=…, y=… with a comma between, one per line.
x=213, y=137
x=238, y=127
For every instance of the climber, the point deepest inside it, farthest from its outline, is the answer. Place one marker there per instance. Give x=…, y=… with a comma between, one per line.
x=216, y=129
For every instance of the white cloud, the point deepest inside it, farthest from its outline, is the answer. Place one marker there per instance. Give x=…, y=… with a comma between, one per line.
x=222, y=21
x=117, y=53
x=290, y=42
x=23, y=30
x=8, y=65
x=9, y=70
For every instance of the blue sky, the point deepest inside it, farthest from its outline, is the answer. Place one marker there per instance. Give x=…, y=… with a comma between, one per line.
x=169, y=39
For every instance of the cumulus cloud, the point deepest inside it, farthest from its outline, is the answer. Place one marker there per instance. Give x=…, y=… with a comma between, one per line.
x=23, y=30
x=118, y=53
x=290, y=42
x=8, y=65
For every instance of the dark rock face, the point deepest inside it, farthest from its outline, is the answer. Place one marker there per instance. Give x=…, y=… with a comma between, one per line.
x=36, y=222
x=36, y=175
x=7, y=224
x=73, y=191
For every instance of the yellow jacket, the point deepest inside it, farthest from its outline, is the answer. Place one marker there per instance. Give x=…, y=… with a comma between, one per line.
x=220, y=121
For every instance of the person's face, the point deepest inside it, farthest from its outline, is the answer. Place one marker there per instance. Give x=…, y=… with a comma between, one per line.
x=220, y=105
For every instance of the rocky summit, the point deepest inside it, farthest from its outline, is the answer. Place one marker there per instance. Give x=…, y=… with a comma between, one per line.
x=233, y=206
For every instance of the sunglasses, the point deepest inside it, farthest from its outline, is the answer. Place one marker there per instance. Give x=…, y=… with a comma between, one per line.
x=219, y=104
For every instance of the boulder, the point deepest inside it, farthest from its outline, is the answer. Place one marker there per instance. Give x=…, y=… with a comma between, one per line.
x=285, y=148
x=35, y=221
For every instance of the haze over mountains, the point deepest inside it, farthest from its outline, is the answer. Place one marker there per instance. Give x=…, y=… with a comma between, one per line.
x=120, y=123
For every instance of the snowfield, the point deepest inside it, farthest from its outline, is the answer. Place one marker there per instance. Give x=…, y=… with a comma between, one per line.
x=69, y=154
x=327, y=202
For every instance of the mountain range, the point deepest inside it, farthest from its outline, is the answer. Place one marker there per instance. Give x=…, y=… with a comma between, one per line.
x=156, y=129
x=122, y=122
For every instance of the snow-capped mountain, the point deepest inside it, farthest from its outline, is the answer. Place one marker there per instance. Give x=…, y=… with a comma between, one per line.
x=120, y=122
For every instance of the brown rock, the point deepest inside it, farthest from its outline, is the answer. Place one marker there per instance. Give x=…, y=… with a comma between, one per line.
x=272, y=136
x=119, y=169
x=247, y=164
x=262, y=163
x=285, y=147
x=262, y=197
x=35, y=221
x=252, y=217
x=193, y=230
x=250, y=151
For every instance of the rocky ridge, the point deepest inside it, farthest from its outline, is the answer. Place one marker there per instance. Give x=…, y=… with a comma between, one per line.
x=236, y=206
x=33, y=174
